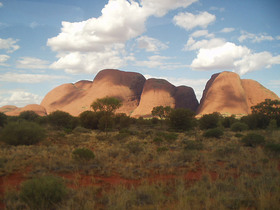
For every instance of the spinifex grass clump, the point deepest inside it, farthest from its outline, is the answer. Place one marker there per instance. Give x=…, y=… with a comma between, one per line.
x=192, y=145
x=83, y=154
x=213, y=133
x=22, y=133
x=253, y=140
x=43, y=192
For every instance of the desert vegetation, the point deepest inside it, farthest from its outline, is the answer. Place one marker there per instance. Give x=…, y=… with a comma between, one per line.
x=105, y=160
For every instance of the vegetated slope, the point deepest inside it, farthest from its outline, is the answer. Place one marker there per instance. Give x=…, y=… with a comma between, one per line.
x=159, y=92
x=76, y=98
x=15, y=111
x=226, y=93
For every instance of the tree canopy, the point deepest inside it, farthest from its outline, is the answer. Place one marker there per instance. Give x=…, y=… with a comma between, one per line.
x=107, y=104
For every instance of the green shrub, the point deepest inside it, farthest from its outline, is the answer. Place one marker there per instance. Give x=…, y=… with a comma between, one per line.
x=256, y=121
x=122, y=121
x=83, y=154
x=122, y=136
x=215, y=132
x=105, y=123
x=238, y=135
x=228, y=121
x=253, y=139
x=273, y=147
x=3, y=119
x=62, y=119
x=209, y=121
x=29, y=116
x=43, y=192
x=239, y=126
x=181, y=119
x=89, y=119
x=192, y=145
x=22, y=133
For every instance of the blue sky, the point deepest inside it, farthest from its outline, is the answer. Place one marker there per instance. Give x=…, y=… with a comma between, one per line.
x=45, y=43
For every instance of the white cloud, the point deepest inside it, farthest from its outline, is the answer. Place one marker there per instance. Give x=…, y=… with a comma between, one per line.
x=28, y=78
x=150, y=44
x=217, y=9
x=34, y=24
x=19, y=98
x=1, y=4
x=9, y=45
x=254, y=37
x=189, y=21
x=229, y=56
x=99, y=43
x=32, y=63
x=255, y=61
x=227, y=30
x=278, y=37
x=3, y=59
x=160, y=62
x=206, y=44
x=161, y=7
x=200, y=33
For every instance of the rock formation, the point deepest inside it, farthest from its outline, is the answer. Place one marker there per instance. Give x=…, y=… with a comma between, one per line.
x=159, y=92
x=228, y=94
x=15, y=111
x=76, y=98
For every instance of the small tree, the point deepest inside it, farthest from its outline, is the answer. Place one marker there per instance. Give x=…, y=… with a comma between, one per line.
x=89, y=119
x=29, y=115
x=107, y=106
x=209, y=121
x=62, y=119
x=3, y=119
x=269, y=108
x=181, y=119
x=161, y=112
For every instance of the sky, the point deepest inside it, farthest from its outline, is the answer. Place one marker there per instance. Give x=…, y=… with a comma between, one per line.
x=46, y=43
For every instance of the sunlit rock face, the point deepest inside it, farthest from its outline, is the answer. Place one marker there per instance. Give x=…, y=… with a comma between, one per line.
x=159, y=92
x=15, y=111
x=227, y=94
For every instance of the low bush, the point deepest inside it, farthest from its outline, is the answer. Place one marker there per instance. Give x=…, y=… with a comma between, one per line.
x=29, y=116
x=43, y=192
x=192, y=145
x=228, y=121
x=162, y=149
x=83, y=154
x=22, y=133
x=89, y=119
x=209, y=121
x=157, y=140
x=253, y=140
x=239, y=126
x=215, y=133
x=273, y=147
x=3, y=119
x=122, y=121
x=168, y=136
x=62, y=119
x=135, y=147
x=181, y=119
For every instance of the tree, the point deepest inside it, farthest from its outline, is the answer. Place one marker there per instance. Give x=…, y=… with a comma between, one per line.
x=161, y=112
x=181, y=119
x=62, y=119
x=107, y=106
x=3, y=119
x=268, y=108
x=209, y=121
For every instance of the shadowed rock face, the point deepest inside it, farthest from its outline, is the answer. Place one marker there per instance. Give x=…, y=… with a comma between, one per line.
x=76, y=98
x=159, y=92
x=228, y=94
x=15, y=111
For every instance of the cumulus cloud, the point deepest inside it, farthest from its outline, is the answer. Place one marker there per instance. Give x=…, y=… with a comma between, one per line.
x=205, y=43
x=189, y=21
x=28, y=78
x=99, y=43
x=161, y=62
x=229, y=56
x=3, y=59
x=9, y=45
x=227, y=30
x=32, y=63
x=19, y=98
x=254, y=37
x=161, y=7
x=150, y=44
x=201, y=33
